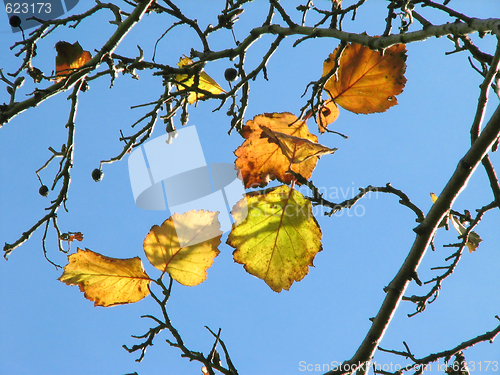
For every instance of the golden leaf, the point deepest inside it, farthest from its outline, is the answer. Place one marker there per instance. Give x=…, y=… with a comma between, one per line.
x=434, y=198
x=444, y=222
x=185, y=245
x=104, y=280
x=203, y=82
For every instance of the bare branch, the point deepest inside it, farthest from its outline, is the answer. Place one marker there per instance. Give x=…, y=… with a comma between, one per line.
x=446, y=354
x=63, y=173
x=6, y=114
x=425, y=232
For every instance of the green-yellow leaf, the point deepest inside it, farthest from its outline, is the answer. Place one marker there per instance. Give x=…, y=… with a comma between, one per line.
x=278, y=239
x=185, y=245
x=104, y=280
x=202, y=82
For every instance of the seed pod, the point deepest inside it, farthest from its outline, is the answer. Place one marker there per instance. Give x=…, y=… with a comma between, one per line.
x=97, y=175
x=43, y=191
x=230, y=74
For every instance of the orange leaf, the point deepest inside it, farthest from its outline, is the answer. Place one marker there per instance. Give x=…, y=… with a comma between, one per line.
x=69, y=58
x=326, y=115
x=104, y=280
x=366, y=81
x=296, y=149
x=260, y=161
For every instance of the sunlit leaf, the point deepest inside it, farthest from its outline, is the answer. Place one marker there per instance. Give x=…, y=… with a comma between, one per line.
x=278, y=239
x=260, y=161
x=203, y=82
x=185, y=245
x=104, y=280
x=296, y=149
x=366, y=81
x=444, y=222
x=327, y=114
x=69, y=58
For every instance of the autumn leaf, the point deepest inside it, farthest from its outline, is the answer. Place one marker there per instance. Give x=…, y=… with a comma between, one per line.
x=104, y=280
x=205, y=82
x=185, y=245
x=260, y=161
x=366, y=81
x=473, y=239
x=444, y=222
x=71, y=236
x=69, y=58
x=326, y=115
x=434, y=197
x=296, y=149
x=278, y=239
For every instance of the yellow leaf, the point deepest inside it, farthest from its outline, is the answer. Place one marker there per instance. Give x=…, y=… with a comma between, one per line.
x=434, y=198
x=260, y=161
x=202, y=82
x=366, y=81
x=278, y=239
x=104, y=280
x=296, y=149
x=444, y=222
x=185, y=245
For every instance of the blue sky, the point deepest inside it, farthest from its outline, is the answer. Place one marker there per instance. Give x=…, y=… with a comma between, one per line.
x=49, y=328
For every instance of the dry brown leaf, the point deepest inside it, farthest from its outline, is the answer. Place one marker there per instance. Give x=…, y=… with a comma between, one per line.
x=296, y=149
